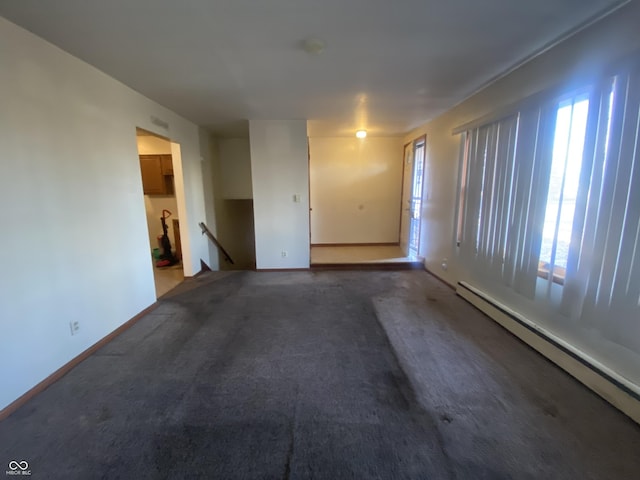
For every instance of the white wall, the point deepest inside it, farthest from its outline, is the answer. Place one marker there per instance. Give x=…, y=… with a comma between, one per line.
x=207, y=163
x=280, y=170
x=235, y=168
x=356, y=187
x=234, y=216
x=75, y=244
x=570, y=64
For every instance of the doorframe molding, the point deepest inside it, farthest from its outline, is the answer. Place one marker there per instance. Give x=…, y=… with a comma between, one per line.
x=412, y=144
x=421, y=139
x=404, y=164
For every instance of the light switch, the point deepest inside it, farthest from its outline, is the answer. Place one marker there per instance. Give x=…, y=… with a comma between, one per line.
x=296, y=198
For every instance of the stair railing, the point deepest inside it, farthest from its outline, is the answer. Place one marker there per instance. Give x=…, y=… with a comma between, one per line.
x=214, y=240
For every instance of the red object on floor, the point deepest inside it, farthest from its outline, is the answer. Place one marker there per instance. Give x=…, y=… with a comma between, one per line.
x=163, y=263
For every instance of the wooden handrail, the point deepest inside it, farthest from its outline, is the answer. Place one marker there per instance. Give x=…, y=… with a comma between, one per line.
x=207, y=232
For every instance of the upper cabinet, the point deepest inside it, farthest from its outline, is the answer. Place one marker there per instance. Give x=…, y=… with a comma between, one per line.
x=157, y=174
x=167, y=164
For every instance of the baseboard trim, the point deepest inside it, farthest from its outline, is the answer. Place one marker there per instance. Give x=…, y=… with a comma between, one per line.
x=282, y=269
x=203, y=268
x=67, y=367
x=368, y=266
x=576, y=363
x=388, y=244
x=437, y=277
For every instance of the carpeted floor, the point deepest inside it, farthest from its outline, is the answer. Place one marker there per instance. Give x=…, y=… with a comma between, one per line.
x=319, y=375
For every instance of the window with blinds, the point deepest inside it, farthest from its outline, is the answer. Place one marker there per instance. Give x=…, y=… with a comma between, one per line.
x=549, y=204
x=564, y=176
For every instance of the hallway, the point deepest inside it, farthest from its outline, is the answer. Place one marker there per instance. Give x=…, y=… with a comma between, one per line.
x=319, y=375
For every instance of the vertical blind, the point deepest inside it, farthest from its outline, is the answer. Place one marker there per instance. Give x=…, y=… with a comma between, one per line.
x=549, y=205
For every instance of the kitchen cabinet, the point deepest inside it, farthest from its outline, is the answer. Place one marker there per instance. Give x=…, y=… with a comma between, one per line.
x=167, y=164
x=157, y=174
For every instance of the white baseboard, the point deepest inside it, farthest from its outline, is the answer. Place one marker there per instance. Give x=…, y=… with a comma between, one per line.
x=574, y=362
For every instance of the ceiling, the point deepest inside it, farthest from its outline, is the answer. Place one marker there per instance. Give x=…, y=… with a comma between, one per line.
x=387, y=66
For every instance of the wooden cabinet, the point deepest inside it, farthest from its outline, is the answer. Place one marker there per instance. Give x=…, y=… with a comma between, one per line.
x=157, y=174
x=167, y=164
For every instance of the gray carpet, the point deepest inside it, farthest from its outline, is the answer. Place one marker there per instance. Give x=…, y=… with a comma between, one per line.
x=319, y=375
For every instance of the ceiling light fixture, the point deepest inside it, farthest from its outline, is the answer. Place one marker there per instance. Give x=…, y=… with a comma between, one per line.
x=361, y=133
x=313, y=46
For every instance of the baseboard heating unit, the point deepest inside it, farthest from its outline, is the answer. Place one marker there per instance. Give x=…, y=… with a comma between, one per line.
x=618, y=391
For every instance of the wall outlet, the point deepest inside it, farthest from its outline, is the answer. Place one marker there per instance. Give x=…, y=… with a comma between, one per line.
x=74, y=327
x=284, y=253
x=445, y=264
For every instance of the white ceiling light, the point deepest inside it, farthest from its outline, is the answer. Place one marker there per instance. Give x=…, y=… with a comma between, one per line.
x=361, y=133
x=313, y=46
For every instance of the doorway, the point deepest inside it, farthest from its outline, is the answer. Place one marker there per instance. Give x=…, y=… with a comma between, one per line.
x=161, y=206
x=412, y=182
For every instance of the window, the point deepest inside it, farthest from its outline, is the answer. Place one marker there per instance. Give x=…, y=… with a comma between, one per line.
x=564, y=177
x=416, y=196
x=463, y=187
x=549, y=203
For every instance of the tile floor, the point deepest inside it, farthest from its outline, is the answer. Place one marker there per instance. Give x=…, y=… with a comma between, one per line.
x=359, y=254
x=167, y=278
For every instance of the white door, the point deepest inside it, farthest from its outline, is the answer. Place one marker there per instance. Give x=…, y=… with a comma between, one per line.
x=412, y=179
x=405, y=212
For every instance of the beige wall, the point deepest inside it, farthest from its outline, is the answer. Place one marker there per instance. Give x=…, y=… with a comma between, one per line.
x=235, y=168
x=154, y=205
x=233, y=203
x=152, y=145
x=571, y=63
x=355, y=188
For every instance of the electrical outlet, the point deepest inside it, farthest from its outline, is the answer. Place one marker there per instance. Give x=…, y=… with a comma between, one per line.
x=74, y=326
x=284, y=253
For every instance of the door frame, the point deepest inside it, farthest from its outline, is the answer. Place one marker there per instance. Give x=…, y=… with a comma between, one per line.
x=422, y=139
x=404, y=169
x=179, y=193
